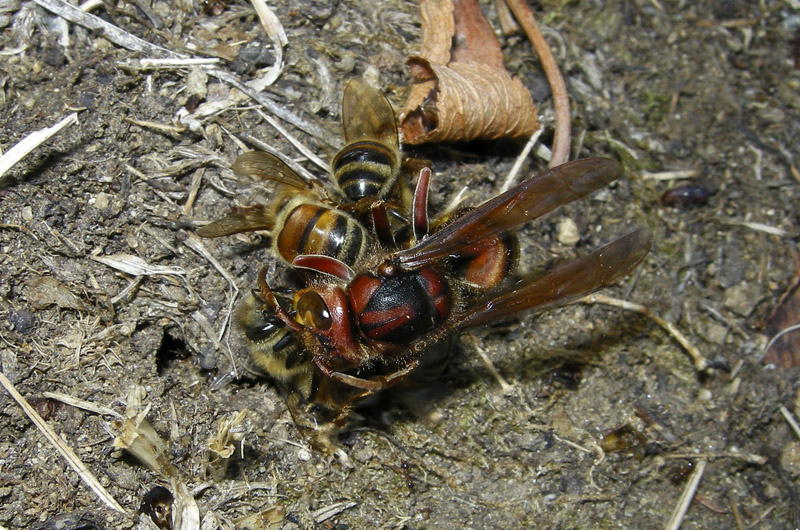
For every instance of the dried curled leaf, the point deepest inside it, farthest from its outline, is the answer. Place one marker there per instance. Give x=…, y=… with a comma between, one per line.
x=783, y=327
x=461, y=91
x=472, y=101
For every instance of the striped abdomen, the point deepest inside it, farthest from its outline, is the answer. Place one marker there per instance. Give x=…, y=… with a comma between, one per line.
x=365, y=169
x=309, y=228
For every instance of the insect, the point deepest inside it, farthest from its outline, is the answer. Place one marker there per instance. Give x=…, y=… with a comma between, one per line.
x=368, y=166
x=365, y=210
x=304, y=217
x=299, y=220
x=383, y=286
x=687, y=196
x=273, y=348
x=367, y=328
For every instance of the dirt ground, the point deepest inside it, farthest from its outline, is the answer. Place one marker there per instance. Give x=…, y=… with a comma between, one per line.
x=667, y=87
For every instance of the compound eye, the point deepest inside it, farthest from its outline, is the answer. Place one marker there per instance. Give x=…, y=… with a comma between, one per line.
x=312, y=308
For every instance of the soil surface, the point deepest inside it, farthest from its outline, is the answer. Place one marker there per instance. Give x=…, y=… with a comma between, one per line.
x=107, y=296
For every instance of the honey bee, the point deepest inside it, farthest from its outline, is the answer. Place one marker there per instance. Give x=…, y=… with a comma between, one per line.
x=299, y=220
x=367, y=329
x=304, y=217
x=273, y=348
x=368, y=166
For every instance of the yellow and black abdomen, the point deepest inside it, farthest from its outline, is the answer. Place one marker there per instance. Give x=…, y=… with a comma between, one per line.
x=366, y=169
x=311, y=228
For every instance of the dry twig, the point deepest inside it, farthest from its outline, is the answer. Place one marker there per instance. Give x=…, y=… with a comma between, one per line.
x=520, y=160
x=32, y=141
x=82, y=404
x=561, y=140
x=108, y=30
x=61, y=446
x=750, y=458
x=790, y=420
x=686, y=497
x=700, y=362
x=487, y=362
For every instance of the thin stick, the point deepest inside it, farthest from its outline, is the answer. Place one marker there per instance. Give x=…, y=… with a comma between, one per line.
x=790, y=420
x=294, y=141
x=106, y=29
x=323, y=514
x=671, y=175
x=82, y=404
x=277, y=110
x=700, y=362
x=561, y=140
x=521, y=159
x=160, y=127
x=750, y=458
x=686, y=497
x=66, y=451
x=492, y=370
x=737, y=516
x=194, y=189
x=32, y=141
x=759, y=227
x=194, y=243
x=178, y=62
x=777, y=336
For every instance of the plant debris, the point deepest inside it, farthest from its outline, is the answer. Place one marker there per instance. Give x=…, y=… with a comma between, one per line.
x=461, y=90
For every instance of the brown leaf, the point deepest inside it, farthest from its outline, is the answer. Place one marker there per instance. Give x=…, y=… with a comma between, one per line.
x=784, y=352
x=461, y=90
x=45, y=291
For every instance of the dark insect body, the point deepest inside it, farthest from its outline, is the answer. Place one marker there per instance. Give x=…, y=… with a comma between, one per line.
x=687, y=196
x=369, y=328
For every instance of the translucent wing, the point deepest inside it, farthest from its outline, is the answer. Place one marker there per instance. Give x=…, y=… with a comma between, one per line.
x=368, y=115
x=527, y=201
x=244, y=219
x=267, y=166
x=567, y=283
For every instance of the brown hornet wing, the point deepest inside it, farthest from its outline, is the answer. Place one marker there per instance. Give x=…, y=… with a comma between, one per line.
x=368, y=115
x=244, y=219
x=567, y=283
x=527, y=201
x=266, y=166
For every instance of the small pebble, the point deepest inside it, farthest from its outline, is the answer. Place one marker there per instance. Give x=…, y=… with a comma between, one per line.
x=568, y=232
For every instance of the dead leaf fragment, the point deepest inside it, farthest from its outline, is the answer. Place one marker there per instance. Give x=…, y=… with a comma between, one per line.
x=136, y=266
x=45, y=291
x=266, y=519
x=461, y=91
x=783, y=328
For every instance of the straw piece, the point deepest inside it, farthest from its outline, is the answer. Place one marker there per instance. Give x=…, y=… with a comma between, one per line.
x=108, y=30
x=31, y=142
x=60, y=445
